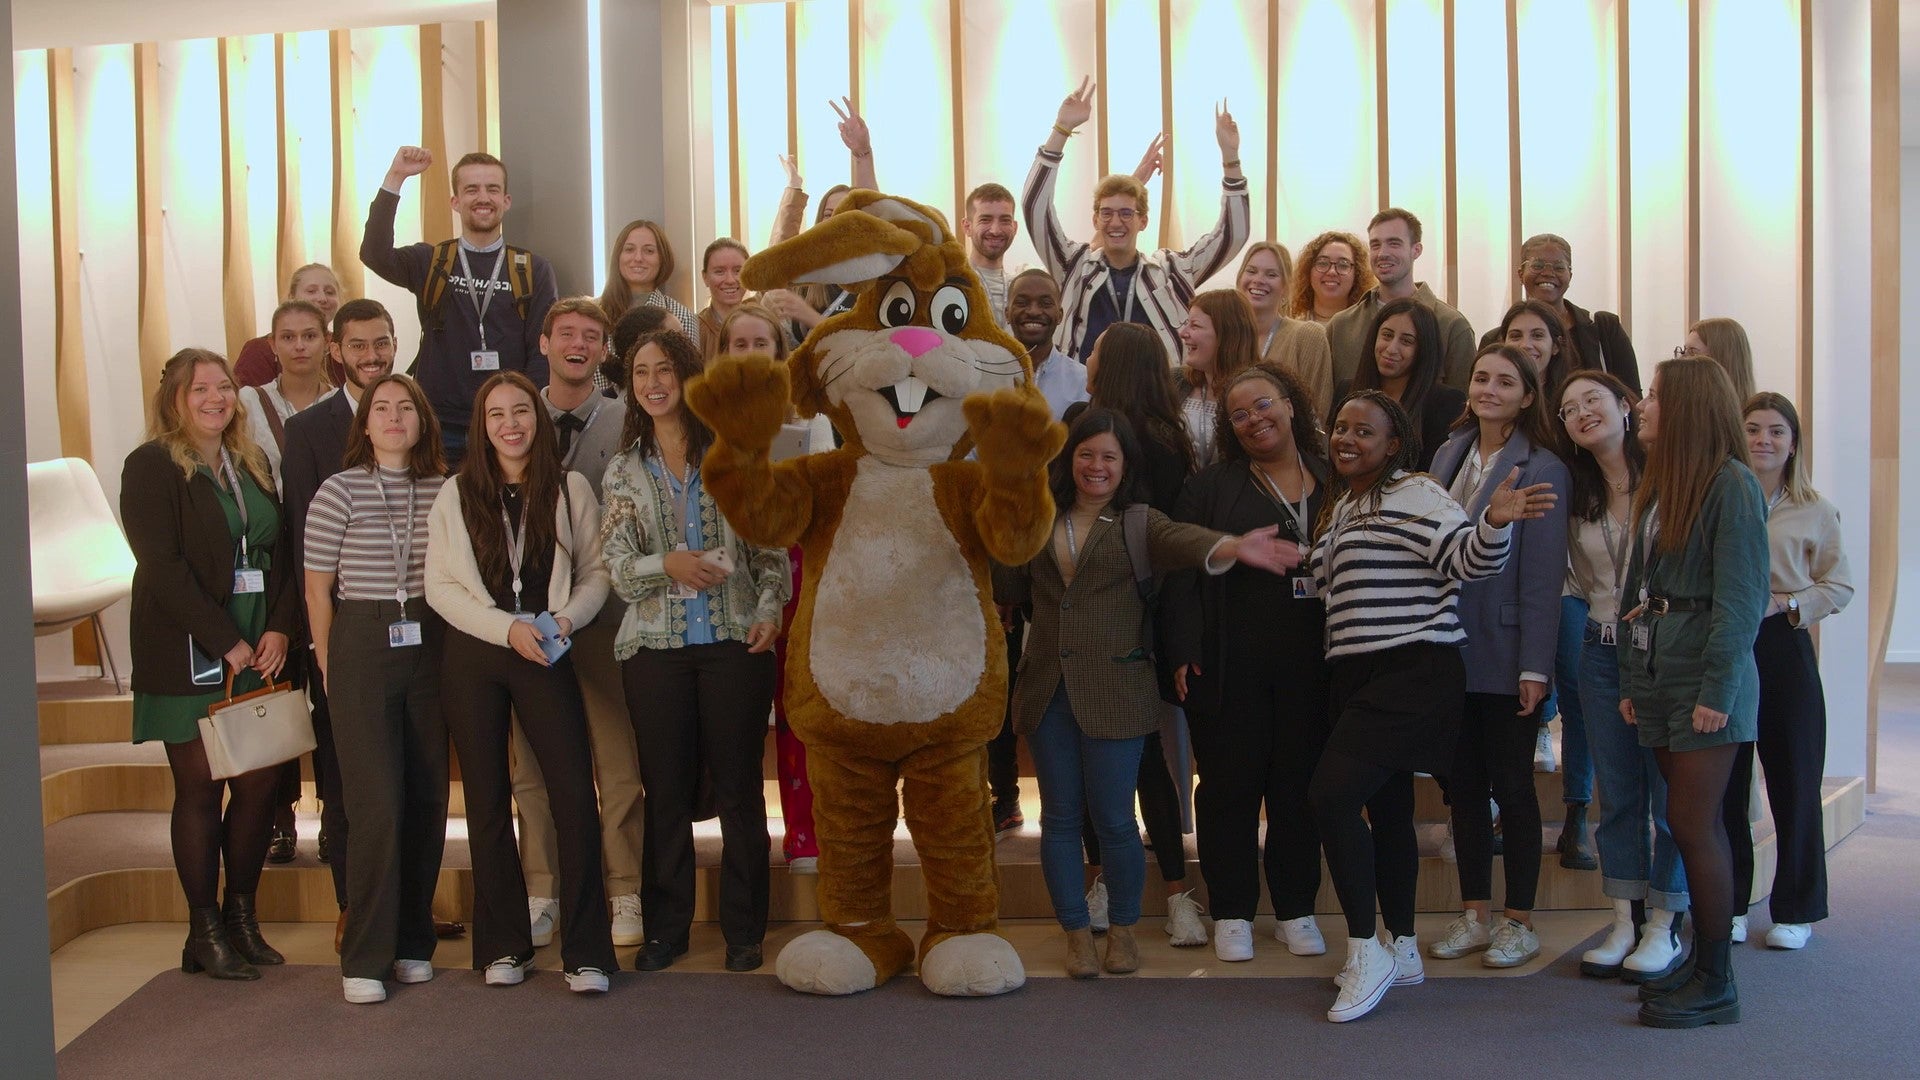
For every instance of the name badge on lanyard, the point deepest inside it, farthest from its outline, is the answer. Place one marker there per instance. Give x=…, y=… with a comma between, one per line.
x=245, y=578
x=483, y=358
x=1642, y=636
x=1305, y=588
x=1608, y=636
x=402, y=634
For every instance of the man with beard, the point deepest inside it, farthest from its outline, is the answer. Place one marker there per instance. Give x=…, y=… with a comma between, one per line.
x=990, y=228
x=588, y=424
x=482, y=302
x=362, y=342
x=1393, y=245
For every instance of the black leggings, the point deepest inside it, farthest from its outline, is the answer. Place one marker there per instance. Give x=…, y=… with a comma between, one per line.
x=1381, y=860
x=200, y=833
x=1495, y=757
x=1696, y=791
x=1159, y=806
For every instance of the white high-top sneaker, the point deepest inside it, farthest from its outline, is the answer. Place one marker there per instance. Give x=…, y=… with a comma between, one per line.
x=1603, y=960
x=1368, y=973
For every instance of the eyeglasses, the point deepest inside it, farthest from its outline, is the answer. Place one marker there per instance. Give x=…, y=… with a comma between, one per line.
x=1240, y=416
x=1109, y=213
x=1593, y=401
x=1681, y=352
x=1342, y=265
x=1545, y=266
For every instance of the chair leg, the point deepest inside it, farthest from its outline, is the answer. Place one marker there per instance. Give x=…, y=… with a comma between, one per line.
x=100, y=635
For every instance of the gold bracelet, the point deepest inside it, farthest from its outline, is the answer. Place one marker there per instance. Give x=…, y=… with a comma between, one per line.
x=1234, y=164
x=1066, y=133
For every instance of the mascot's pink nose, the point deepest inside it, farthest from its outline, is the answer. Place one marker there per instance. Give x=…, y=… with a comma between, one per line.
x=917, y=340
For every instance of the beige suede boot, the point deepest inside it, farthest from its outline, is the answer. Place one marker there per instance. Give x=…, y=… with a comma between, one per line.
x=1082, y=961
x=1123, y=953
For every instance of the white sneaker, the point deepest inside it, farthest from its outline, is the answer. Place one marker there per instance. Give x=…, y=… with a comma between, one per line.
x=1789, y=935
x=363, y=991
x=627, y=928
x=587, y=980
x=1097, y=905
x=1407, y=968
x=1302, y=936
x=804, y=864
x=1184, y=925
x=1543, y=758
x=1465, y=934
x=1513, y=943
x=1233, y=939
x=1369, y=971
x=412, y=971
x=1739, y=929
x=508, y=971
x=541, y=911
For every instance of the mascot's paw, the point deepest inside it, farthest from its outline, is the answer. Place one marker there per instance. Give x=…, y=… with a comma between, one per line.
x=1013, y=430
x=823, y=962
x=743, y=399
x=972, y=965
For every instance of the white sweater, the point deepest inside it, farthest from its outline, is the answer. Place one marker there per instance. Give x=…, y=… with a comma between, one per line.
x=1394, y=578
x=456, y=590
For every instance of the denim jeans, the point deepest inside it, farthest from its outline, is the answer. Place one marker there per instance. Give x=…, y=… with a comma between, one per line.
x=1633, y=797
x=1576, y=760
x=1081, y=776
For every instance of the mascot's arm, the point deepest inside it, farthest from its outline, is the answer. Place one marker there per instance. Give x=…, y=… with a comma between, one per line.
x=772, y=574
x=744, y=400
x=1014, y=436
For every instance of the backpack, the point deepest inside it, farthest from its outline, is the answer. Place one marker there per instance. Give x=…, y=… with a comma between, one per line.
x=446, y=256
x=1133, y=534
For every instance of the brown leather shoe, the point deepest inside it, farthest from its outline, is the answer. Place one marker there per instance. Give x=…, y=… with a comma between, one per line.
x=339, y=931
x=443, y=928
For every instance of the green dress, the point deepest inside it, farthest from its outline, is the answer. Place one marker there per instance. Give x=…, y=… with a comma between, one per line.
x=176, y=718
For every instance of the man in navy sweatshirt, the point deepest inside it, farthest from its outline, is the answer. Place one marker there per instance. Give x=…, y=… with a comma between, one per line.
x=481, y=302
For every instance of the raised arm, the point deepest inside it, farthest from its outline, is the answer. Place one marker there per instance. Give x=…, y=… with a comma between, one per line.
x=1014, y=436
x=1058, y=253
x=859, y=143
x=403, y=266
x=1208, y=255
x=744, y=400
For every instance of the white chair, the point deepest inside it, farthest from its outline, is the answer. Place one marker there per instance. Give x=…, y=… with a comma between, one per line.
x=81, y=562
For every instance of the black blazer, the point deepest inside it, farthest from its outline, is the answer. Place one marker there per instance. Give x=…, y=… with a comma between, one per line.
x=1442, y=407
x=1599, y=341
x=316, y=445
x=183, y=572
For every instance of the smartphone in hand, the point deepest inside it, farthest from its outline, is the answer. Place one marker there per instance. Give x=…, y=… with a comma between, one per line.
x=551, y=642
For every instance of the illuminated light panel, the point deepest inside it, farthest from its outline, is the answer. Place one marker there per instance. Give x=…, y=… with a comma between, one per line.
x=1132, y=95
x=1416, y=128
x=309, y=119
x=105, y=201
x=907, y=87
x=1326, y=123
x=761, y=122
x=386, y=115
x=596, y=145
x=1567, y=111
x=723, y=127
x=1219, y=51
x=820, y=43
x=1657, y=51
x=257, y=132
x=1480, y=138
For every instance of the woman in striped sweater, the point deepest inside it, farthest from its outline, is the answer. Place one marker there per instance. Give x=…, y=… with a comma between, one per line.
x=1388, y=564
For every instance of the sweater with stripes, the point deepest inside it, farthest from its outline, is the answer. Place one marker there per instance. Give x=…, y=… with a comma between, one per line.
x=352, y=525
x=1393, y=577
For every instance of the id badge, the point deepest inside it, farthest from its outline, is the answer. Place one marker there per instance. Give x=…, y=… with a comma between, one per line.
x=1305, y=588
x=677, y=590
x=485, y=359
x=402, y=634
x=249, y=581
x=1608, y=636
x=1642, y=636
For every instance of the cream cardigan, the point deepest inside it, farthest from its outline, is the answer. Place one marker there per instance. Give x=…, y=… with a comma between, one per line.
x=456, y=590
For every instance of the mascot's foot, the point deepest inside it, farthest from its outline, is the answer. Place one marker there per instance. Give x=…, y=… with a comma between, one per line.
x=823, y=962
x=972, y=965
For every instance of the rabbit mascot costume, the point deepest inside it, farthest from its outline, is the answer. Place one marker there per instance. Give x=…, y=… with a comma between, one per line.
x=896, y=665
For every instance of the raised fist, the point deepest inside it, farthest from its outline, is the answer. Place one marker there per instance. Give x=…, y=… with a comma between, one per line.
x=411, y=161
x=743, y=399
x=1013, y=430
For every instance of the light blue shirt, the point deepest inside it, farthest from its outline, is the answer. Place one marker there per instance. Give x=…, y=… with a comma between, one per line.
x=699, y=619
x=1062, y=379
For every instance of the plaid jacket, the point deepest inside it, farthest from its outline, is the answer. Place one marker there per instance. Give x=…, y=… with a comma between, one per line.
x=1089, y=632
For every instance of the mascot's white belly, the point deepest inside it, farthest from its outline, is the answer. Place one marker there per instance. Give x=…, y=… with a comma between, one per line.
x=898, y=632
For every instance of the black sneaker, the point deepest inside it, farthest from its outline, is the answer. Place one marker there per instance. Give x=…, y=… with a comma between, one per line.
x=323, y=846
x=658, y=956
x=1007, y=820
x=281, y=848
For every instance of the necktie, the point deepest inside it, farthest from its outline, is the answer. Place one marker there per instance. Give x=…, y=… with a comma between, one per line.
x=568, y=424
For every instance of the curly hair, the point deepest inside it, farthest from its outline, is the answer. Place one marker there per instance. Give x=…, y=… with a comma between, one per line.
x=1307, y=437
x=1300, y=287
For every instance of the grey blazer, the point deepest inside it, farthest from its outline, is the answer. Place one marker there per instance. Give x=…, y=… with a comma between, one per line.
x=1513, y=618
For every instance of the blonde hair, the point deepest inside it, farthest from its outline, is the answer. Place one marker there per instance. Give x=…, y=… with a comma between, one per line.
x=1726, y=342
x=1120, y=184
x=1796, y=478
x=1700, y=429
x=167, y=420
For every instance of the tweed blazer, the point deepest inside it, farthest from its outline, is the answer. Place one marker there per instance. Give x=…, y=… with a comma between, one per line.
x=1512, y=619
x=1088, y=632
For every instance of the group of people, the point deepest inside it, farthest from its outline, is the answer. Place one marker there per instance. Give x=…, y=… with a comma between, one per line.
x=1307, y=528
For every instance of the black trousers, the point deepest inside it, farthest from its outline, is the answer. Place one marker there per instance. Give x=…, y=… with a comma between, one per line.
x=1003, y=751
x=1495, y=757
x=694, y=707
x=1261, y=748
x=392, y=745
x=1159, y=808
x=481, y=687
x=1793, y=756
x=1373, y=857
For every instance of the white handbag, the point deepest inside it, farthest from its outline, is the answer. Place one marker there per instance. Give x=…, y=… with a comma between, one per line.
x=269, y=726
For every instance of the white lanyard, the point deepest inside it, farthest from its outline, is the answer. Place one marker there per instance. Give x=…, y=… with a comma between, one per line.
x=516, y=548
x=1271, y=334
x=239, y=499
x=1616, y=554
x=1778, y=498
x=1113, y=294
x=573, y=449
x=1649, y=530
x=403, y=551
x=1272, y=491
x=680, y=487
x=485, y=296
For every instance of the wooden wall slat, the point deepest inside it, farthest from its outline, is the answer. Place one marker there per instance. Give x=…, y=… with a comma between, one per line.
x=1166, y=122
x=483, y=81
x=1803, y=321
x=1883, y=556
x=856, y=16
x=1623, y=238
x=1514, y=201
x=1273, y=120
x=956, y=61
x=737, y=207
x=1380, y=119
x=1692, y=253
x=69, y=346
x=289, y=246
x=1450, y=164
x=236, y=263
x=349, y=216
x=1100, y=85
x=793, y=79
x=156, y=342
x=436, y=184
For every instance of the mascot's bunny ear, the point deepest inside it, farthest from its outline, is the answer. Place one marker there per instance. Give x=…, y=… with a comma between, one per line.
x=869, y=235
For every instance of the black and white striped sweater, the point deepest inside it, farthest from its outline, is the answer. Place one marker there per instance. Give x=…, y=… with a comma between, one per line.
x=1393, y=578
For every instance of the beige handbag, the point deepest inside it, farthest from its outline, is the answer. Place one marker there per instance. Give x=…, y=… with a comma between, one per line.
x=269, y=726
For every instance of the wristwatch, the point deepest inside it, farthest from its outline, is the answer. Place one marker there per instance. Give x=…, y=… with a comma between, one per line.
x=1793, y=610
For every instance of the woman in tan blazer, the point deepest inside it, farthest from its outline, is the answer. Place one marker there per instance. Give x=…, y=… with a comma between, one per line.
x=1087, y=693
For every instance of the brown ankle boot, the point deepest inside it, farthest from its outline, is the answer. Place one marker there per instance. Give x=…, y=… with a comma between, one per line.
x=1123, y=953
x=1082, y=961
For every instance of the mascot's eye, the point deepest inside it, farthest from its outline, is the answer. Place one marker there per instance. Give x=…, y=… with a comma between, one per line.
x=896, y=306
x=950, y=309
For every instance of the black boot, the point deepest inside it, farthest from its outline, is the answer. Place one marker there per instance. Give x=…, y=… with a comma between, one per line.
x=243, y=929
x=1708, y=997
x=208, y=949
x=1575, y=852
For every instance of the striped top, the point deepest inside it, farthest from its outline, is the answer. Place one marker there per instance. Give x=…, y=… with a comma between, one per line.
x=1394, y=578
x=350, y=532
